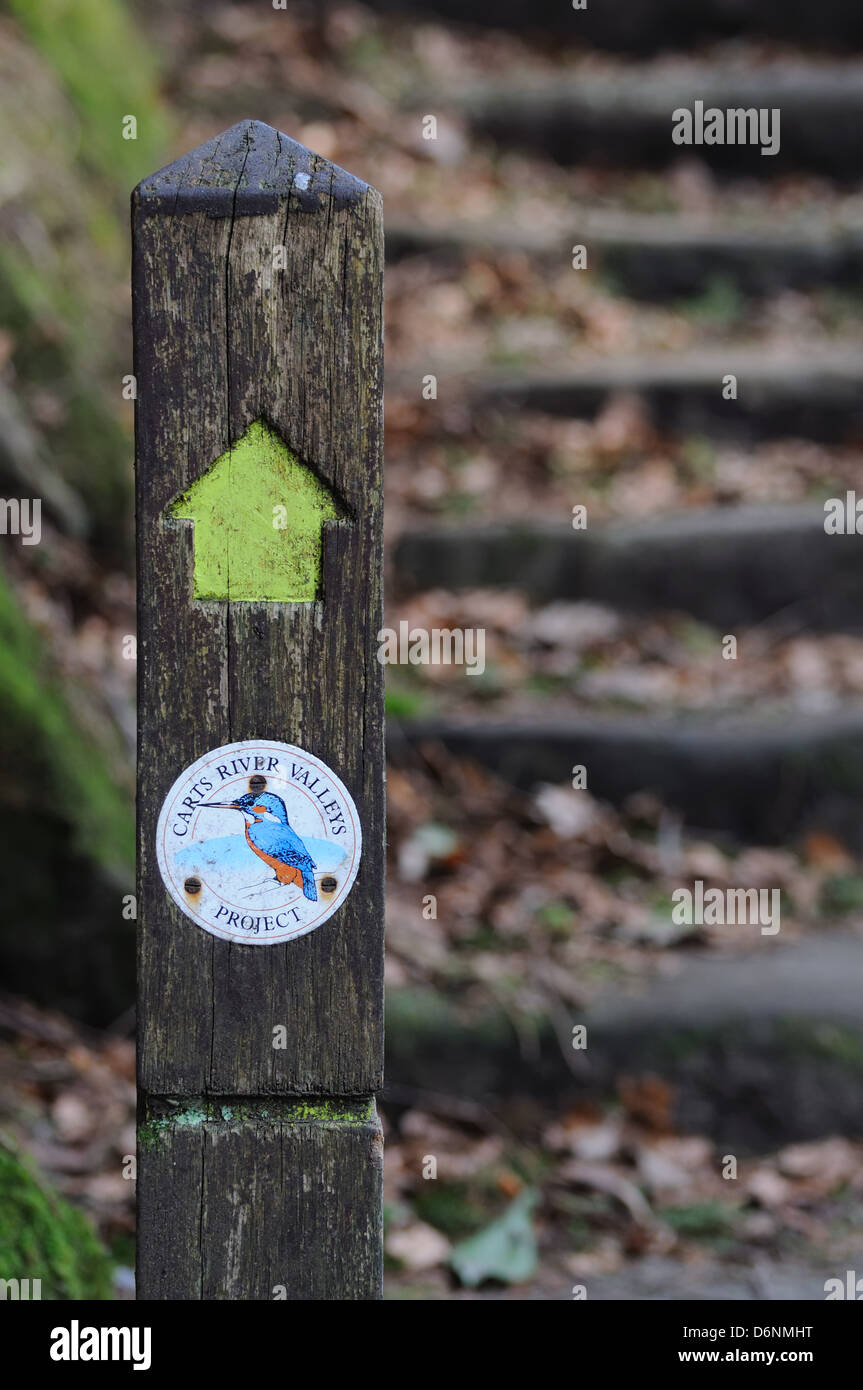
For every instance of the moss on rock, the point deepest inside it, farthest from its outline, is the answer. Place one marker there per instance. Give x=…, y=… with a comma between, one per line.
x=68, y=770
x=43, y=1237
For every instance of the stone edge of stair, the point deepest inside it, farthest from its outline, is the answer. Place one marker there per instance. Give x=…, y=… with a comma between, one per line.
x=767, y=781
x=791, y=1071
x=723, y=565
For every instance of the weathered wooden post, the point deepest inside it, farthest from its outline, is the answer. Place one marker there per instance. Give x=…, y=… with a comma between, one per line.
x=257, y=278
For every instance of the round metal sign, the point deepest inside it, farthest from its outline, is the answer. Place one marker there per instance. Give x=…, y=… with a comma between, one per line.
x=258, y=842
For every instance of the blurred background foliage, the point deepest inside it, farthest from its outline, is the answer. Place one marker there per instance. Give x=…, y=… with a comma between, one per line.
x=66, y=796
x=70, y=70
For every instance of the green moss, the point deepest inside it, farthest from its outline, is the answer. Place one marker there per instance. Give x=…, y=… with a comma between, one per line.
x=557, y=919
x=67, y=81
x=787, y=1038
x=721, y=303
x=841, y=894
x=109, y=72
x=419, y=1017
x=458, y=1209
x=706, y=1221
x=198, y=1114
x=43, y=1237
x=68, y=769
x=333, y=1112
x=63, y=267
x=832, y=1042
x=405, y=704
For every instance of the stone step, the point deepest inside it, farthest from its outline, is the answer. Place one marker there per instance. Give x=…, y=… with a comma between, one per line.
x=658, y=257
x=760, y=1048
x=661, y=1278
x=623, y=117
x=652, y=26
x=818, y=397
x=728, y=566
x=764, y=780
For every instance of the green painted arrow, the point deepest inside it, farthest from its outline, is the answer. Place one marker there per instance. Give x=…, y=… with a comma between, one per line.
x=258, y=513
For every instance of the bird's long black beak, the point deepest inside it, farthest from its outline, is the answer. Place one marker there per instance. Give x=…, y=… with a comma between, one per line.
x=224, y=805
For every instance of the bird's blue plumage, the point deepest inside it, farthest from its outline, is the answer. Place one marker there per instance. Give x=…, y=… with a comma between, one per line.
x=282, y=843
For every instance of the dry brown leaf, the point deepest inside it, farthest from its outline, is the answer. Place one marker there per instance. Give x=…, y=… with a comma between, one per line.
x=418, y=1246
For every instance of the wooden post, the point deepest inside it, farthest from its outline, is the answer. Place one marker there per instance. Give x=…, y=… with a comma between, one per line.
x=257, y=285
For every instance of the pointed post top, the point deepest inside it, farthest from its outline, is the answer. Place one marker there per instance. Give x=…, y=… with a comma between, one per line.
x=249, y=168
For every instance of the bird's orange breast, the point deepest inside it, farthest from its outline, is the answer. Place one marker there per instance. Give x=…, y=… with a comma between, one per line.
x=285, y=873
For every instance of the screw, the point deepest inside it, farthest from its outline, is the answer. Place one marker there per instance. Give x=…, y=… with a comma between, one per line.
x=257, y=783
x=329, y=884
x=192, y=885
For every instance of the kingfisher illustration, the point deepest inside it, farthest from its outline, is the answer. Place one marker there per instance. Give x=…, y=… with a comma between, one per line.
x=270, y=835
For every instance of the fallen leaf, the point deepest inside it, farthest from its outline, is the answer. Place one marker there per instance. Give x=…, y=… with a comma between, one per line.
x=768, y=1187
x=567, y=811
x=648, y=1099
x=418, y=1246
x=830, y=1161
x=594, y=1140
x=602, y=1179
x=505, y=1250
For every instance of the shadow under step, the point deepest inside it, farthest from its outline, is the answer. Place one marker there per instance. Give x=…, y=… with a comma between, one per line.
x=765, y=781
x=818, y=398
x=657, y=257
x=624, y=117
x=652, y=26
x=729, y=566
x=759, y=1049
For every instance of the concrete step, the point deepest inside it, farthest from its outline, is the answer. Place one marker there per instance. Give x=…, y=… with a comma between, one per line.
x=728, y=566
x=657, y=257
x=623, y=117
x=764, y=780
